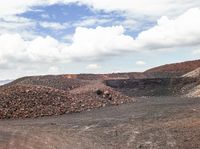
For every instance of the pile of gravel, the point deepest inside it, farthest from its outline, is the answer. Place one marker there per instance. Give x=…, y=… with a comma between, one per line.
x=30, y=101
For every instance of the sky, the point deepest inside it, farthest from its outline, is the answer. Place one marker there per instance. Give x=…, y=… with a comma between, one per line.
x=39, y=37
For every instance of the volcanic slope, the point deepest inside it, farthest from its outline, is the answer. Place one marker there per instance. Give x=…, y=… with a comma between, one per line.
x=173, y=70
x=178, y=79
x=38, y=96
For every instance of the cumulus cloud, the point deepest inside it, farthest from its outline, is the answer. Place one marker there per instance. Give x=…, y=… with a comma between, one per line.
x=95, y=43
x=168, y=33
x=134, y=9
x=143, y=7
x=48, y=49
x=101, y=41
x=14, y=47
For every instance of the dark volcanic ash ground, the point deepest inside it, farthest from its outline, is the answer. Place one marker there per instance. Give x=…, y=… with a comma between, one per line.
x=149, y=110
x=153, y=123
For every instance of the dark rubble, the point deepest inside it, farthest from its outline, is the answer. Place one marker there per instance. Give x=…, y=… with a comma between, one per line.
x=30, y=101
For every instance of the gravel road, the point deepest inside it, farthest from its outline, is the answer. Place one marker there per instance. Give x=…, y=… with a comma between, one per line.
x=148, y=123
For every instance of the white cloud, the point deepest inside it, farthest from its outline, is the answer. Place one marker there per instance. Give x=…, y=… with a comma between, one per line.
x=45, y=49
x=54, y=25
x=90, y=21
x=133, y=9
x=168, y=33
x=36, y=56
x=13, y=24
x=94, y=43
x=15, y=48
x=140, y=63
x=93, y=66
x=68, y=38
x=101, y=41
x=142, y=7
x=10, y=7
x=182, y=31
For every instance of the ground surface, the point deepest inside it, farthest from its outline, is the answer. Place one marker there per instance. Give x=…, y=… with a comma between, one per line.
x=152, y=123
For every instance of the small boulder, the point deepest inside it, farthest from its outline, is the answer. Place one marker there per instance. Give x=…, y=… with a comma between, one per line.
x=99, y=92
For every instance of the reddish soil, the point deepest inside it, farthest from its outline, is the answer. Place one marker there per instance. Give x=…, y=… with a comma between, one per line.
x=61, y=82
x=173, y=70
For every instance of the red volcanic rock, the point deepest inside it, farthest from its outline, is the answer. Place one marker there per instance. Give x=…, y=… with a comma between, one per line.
x=61, y=82
x=26, y=101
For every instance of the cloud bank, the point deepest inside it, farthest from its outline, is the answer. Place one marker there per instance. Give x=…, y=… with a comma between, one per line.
x=177, y=26
x=94, y=43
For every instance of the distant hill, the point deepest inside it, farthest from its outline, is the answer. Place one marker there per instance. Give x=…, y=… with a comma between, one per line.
x=173, y=70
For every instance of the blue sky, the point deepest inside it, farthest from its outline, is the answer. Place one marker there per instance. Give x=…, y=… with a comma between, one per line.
x=73, y=14
x=89, y=36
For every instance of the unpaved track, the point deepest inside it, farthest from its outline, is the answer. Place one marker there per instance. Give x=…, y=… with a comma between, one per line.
x=151, y=123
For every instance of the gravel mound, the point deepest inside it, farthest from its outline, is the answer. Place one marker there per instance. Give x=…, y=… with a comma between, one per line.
x=60, y=82
x=22, y=101
x=30, y=101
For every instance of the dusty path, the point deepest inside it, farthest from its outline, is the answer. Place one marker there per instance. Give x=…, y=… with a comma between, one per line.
x=154, y=123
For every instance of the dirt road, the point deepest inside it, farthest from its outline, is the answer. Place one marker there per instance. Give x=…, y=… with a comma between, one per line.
x=149, y=123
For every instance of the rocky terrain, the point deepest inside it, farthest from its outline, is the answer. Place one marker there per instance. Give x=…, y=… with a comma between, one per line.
x=155, y=109
x=55, y=95
x=38, y=96
x=153, y=123
x=173, y=70
x=154, y=86
x=193, y=74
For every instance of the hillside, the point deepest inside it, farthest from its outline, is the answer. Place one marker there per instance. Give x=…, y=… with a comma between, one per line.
x=38, y=96
x=194, y=74
x=61, y=82
x=173, y=70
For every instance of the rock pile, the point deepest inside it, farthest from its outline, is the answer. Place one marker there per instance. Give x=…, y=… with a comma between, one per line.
x=30, y=101
x=22, y=101
x=60, y=82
